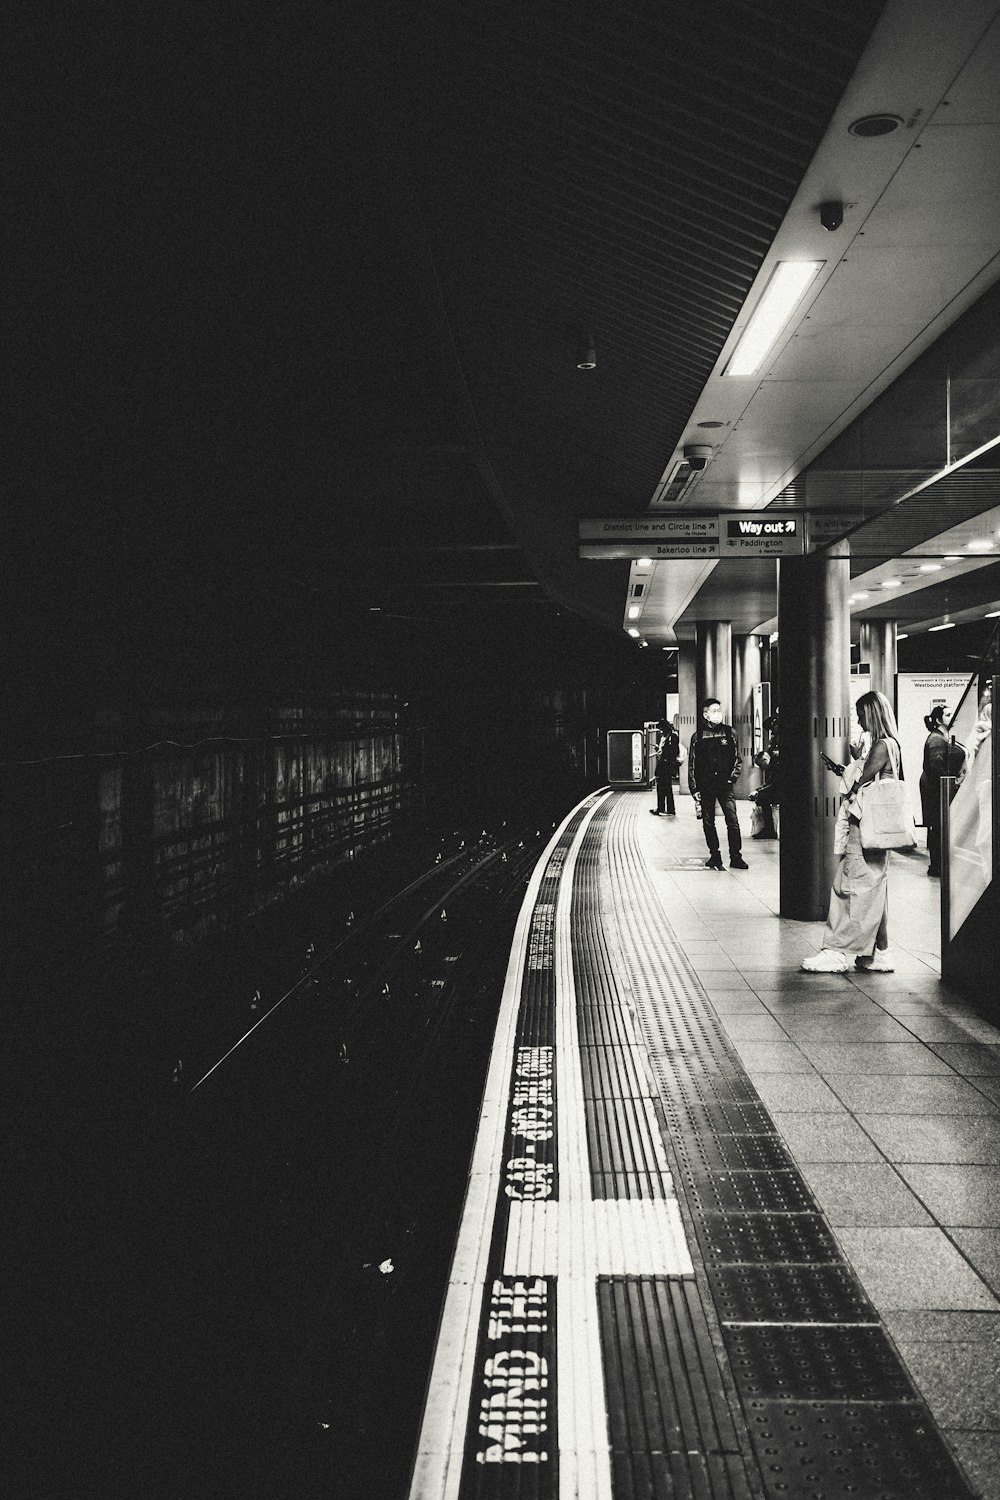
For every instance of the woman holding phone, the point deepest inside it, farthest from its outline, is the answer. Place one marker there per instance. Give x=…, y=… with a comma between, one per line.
x=857, y=928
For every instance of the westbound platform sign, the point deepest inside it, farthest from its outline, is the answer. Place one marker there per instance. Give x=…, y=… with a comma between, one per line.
x=713, y=536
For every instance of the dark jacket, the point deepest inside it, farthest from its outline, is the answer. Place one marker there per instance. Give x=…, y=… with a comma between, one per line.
x=942, y=757
x=667, y=756
x=714, y=761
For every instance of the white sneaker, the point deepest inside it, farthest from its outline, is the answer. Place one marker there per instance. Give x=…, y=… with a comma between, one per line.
x=880, y=963
x=827, y=961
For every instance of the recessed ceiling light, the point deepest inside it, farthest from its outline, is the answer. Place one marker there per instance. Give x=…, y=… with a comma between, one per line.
x=930, y=567
x=868, y=126
x=979, y=546
x=949, y=626
x=633, y=613
x=892, y=583
x=644, y=562
x=953, y=557
x=633, y=632
x=855, y=597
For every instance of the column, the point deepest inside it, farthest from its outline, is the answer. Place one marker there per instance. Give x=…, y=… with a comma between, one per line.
x=878, y=646
x=815, y=642
x=687, y=693
x=746, y=674
x=713, y=642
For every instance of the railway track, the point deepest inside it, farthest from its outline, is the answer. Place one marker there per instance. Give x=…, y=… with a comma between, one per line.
x=314, y=1174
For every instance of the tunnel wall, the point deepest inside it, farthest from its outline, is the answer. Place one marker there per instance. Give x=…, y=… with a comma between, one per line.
x=215, y=814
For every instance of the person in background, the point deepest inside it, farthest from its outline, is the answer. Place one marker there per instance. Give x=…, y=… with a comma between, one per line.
x=935, y=766
x=766, y=796
x=714, y=762
x=857, y=926
x=668, y=759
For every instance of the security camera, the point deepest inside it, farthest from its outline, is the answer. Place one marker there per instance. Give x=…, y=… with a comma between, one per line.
x=831, y=215
x=697, y=456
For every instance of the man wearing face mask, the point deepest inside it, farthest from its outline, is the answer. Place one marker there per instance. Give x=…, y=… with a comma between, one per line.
x=713, y=768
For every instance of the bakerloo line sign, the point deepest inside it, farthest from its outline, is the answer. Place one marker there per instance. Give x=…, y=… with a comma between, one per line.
x=718, y=535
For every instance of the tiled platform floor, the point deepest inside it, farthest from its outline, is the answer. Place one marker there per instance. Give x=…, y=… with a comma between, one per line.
x=886, y=1088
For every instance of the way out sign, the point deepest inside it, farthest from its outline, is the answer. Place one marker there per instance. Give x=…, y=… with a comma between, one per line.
x=761, y=535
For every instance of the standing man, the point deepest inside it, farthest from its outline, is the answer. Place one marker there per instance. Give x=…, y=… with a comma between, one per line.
x=668, y=759
x=713, y=767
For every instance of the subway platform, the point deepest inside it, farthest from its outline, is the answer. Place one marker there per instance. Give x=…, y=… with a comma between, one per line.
x=730, y=1229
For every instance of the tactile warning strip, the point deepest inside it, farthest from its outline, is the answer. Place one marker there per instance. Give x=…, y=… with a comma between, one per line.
x=624, y=1138
x=868, y=1451
x=829, y=1406
x=802, y=1294
x=813, y=1362
x=670, y=1426
x=748, y=1192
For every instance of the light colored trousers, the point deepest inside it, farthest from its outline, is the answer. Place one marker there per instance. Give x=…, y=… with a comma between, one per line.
x=859, y=900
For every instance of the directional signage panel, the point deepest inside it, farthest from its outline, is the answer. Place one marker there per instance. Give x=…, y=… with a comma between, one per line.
x=829, y=526
x=760, y=535
x=715, y=536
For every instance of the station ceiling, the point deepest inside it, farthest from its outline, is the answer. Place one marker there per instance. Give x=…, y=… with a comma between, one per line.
x=301, y=293
x=627, y=180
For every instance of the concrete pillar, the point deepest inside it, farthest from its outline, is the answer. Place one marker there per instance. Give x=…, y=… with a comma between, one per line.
x=878, y=646
x=746, y=674
x=815, y=642
x=714, y=663
x=687, y=693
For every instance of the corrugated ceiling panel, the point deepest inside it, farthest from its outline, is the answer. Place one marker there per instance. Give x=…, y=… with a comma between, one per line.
x=620, y=171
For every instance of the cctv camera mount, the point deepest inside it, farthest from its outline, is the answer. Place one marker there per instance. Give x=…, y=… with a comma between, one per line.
x=697, y=455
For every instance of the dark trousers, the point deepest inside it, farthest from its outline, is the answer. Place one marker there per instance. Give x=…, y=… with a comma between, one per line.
x=934, y=845
x=664, y=792
x=766, y=807
x=726, y=798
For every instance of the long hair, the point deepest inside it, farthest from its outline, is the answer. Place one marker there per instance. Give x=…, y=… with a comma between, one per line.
x=875, y=712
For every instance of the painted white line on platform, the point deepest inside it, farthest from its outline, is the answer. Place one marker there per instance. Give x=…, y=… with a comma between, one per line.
x=606, y=1237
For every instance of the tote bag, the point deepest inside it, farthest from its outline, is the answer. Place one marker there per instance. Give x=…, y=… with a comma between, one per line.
x=886, y=819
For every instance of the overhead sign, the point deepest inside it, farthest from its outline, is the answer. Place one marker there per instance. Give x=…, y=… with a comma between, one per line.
x=761, y=535
x=719, y=535
x=827, y=526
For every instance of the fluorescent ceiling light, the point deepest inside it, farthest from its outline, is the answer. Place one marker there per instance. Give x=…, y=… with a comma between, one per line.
x=644, y=562
x=953, y=557
x=783, y=293
x=982, y=546
x=949, y=626
x=992, y=614
x=632, y=631
x=901, y=636
x=855, y=597
x=892, y=583
x=633, y=613
x=930, y=567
